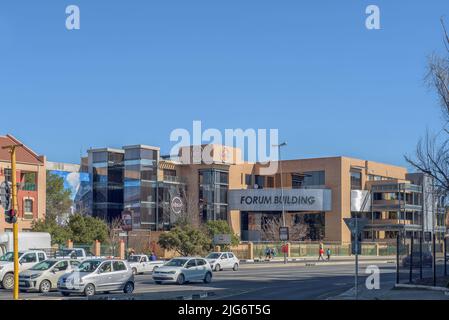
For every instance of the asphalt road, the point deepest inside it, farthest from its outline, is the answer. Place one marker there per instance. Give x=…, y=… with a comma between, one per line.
x=252, y=281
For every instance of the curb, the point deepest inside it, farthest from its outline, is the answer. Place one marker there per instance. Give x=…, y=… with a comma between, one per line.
x=417, y=286
x=196, y=296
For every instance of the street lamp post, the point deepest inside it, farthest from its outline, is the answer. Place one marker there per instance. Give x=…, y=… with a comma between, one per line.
x=283, y=144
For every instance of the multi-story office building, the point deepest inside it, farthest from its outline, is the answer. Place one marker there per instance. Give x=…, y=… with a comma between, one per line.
x=31, y=179
x=106, y=171
x=310, y=196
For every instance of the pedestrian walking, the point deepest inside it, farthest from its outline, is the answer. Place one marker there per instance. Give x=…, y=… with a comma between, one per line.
x=273, y=252
x=321, y=254
x=153, y=256
x=328, y=253
x=267, y=253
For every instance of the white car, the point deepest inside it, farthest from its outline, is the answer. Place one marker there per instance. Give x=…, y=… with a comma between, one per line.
x=182, y=270
x=223, y=260
x=140, y=264
x=27, y=259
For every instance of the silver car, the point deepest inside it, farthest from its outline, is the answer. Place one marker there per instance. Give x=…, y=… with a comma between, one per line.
x=44, y=275
x=182, y=270
x=98, y=275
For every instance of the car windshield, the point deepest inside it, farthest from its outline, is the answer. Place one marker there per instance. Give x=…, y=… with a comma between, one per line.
x=213, y=256
x=89, y=266
x=9, y=256
x=44, y=265
x=133, y=259
x=176, y=263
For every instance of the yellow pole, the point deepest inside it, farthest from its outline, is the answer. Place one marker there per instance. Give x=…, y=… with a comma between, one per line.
x=15, y=226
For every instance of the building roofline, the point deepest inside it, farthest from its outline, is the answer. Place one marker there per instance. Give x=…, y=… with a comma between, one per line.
x=141, y=146
x=38, y=157
x=106, y=149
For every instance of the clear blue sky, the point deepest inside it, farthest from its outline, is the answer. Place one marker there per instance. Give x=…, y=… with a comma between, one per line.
x=138, y=69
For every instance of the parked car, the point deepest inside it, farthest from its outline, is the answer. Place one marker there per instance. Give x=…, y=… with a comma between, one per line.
x=27, y=259
x=427, y=259
x=74, y=253
x=44, y=275
x=98, y=275
x=223, y=260
x=182, y=270
x=141, y=263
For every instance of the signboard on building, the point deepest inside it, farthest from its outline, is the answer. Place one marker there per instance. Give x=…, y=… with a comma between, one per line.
x=222, y=239
x=127, y=220
x=177, y=205
x=283, y=233
x=360, y=201
x=276, y=200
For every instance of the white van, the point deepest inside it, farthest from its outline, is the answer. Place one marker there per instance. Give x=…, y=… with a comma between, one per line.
x=27, y=241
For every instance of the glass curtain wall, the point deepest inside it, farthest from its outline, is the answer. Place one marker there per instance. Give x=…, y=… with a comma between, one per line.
x=213, y=194
x=140, y=192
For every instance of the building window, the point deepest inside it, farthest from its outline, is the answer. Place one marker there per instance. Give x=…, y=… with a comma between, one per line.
x=259, y=182
x=270, y=182
x=297, y=181
x=314, y=178
x=28, y=206
x=8, y=175
x=356, y=180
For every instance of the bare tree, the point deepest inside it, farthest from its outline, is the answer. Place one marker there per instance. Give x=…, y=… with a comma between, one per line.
x=113, y=234
x=431, y=154
x=269, y=229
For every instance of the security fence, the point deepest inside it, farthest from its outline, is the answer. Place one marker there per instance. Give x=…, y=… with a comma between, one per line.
x=258, y=250
x=422, y=261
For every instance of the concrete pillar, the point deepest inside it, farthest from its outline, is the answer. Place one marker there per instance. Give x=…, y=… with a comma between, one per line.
x=289, y=246
x=250, y=251
x=377, y=249
x=97, y=248
x=122, y=249
x=69, y=244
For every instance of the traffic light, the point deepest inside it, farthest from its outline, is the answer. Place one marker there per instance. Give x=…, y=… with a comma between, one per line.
x=7, y=198
x=11, y=216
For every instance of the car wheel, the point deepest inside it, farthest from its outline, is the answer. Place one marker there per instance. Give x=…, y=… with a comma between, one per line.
x=207, y=278
x=8, y=281
x=134, y=271
x=180, y=279
x=65, y=294
x=129, y=288
x=89, y=290
x=155, y=268
x=45, y=286
x=158, y=282
x=217, y=267
x=236, y=267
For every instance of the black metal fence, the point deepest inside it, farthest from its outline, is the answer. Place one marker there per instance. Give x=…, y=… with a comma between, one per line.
x=421, y=260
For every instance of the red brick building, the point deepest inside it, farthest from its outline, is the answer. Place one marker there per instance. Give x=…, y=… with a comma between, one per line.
x=31, y=177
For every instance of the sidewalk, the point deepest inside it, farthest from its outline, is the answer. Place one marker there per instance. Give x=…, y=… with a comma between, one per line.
x=314, y=260
x=389, y=292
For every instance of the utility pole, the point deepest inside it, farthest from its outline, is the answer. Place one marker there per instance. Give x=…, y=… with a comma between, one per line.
x=13, y=215
x=283, y=144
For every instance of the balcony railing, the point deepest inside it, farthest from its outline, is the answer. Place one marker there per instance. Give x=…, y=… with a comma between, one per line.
x=28, y=187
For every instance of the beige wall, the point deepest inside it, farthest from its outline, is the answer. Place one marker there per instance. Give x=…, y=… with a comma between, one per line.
x=337, y=178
